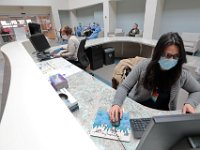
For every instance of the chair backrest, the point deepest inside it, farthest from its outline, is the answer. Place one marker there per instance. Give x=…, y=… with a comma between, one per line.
x=82, y=57
x=118, y=30
x=122, y=70
x=191, y=41
x=190, y=36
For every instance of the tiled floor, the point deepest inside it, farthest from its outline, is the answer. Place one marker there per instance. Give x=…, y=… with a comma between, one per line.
x=105, y=73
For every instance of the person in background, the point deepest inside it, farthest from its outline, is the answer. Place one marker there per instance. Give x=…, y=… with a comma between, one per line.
x=134, y=30
x=87, y=31
x=79, y=30
x=156, y=82
x=93, y=26
x=69, y=53
x=95, y=33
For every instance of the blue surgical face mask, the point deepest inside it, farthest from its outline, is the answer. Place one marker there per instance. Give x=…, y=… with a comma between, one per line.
x=65, y=37
x=167, y=64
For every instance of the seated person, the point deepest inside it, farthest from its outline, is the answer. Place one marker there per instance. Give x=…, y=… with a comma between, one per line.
x=79, y=30
x=134, y=30
x=156, y=82
x=95, y=33
x=93, y=26
x=87, y=31
x=62, y=41
x=69, y=53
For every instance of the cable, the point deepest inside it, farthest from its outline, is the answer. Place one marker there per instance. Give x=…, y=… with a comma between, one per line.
x=119, y=139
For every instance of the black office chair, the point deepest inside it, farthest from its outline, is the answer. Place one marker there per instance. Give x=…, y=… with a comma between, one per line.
x=83, y=61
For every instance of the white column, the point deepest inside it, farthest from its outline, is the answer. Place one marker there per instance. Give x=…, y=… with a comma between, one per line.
x=73, y=18
x=152, y=19
x=55, y=18
x=109, y=16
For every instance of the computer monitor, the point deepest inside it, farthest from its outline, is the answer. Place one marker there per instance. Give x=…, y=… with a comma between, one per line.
x=39, y=42
x=34, y=28
x=164, y=132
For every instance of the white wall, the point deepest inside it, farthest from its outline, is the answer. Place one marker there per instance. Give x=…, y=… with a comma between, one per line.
x=64, y=17
x=73, y=18
x=74, y=4
x=98, y=14
x=129, y=12
x=90, y=14
x=61, y=4
x=181, y=16
x=17, y=10
x=112, y=16
x=85, y=15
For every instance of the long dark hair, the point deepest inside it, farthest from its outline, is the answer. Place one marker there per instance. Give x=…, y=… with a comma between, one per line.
x=154, y=76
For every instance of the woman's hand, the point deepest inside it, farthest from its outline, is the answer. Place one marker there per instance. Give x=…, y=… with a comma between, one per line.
x=114, y=112
x=56, y=55
x=187, y=108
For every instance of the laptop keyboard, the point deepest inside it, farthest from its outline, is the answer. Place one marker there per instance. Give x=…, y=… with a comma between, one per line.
x=138, y=126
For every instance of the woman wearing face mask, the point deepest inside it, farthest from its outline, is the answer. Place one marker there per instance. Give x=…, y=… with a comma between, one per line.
x=70, y=53
x=156, y=82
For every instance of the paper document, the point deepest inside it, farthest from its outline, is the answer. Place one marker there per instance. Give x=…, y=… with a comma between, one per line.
x=58, y=66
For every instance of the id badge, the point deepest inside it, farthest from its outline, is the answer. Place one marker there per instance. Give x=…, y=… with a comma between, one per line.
x=154, y=95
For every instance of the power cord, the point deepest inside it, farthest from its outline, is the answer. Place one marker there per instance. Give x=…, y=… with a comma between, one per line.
x=118, y=138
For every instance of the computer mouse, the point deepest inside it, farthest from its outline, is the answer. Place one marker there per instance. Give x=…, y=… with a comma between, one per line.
x=63, y=96
x=116, y=123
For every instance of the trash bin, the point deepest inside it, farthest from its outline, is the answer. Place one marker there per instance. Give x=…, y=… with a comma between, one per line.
x=109, y=56
x=95, y=55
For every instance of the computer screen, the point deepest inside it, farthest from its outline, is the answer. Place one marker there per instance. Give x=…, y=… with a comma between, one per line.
x=164, y=132
x=39, y=42
x=34, y=28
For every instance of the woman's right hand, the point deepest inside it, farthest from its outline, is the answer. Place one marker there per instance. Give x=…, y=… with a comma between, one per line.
x=114, y=112
x=56, y=56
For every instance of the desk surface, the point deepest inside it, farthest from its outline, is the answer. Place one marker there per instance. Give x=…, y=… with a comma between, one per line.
x=96, y=94
x=104, y=40
x=41, y=121
x=34, y=117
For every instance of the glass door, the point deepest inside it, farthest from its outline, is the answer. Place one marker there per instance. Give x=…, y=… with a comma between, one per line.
x=6, y=30
x=16, y=27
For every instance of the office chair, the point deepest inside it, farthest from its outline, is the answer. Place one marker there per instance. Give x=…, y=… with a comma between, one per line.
x=83, y=61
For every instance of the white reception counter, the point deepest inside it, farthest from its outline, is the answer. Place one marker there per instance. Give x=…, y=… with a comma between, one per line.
x=35, y=117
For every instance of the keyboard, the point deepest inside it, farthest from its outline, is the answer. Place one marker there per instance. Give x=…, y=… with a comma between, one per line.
x=138, y=126
x=42, y=56
x=194, y=142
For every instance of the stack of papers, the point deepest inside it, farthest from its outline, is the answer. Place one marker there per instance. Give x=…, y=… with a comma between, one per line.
x=58, y=66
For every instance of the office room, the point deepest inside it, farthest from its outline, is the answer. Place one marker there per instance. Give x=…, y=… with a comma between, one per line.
x=99, y=74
